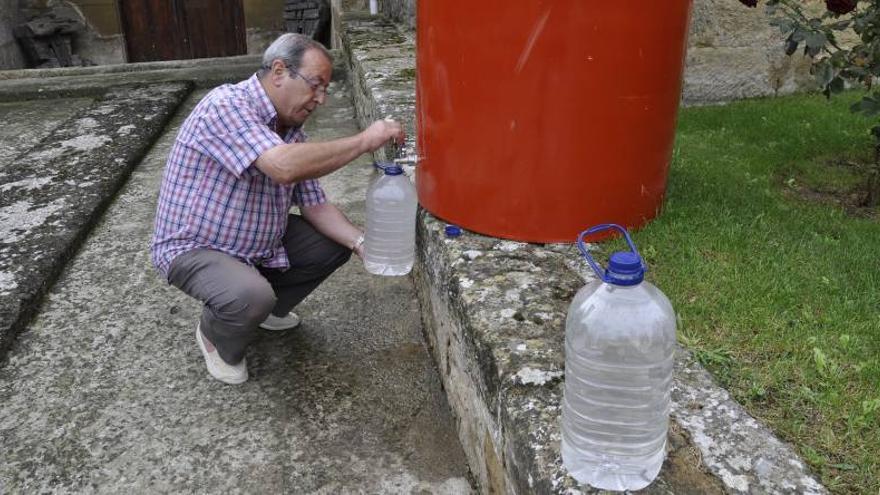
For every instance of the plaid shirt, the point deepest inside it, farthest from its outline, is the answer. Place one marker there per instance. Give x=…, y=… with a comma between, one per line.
x=212, y=194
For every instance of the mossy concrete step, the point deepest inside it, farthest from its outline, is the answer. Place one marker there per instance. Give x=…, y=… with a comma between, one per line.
x=55, y=191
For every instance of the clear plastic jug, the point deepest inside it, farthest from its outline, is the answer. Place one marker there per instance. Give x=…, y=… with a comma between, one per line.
x=390, y=237
x=619, y=346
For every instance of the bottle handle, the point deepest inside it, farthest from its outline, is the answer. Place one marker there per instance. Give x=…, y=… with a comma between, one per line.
x=603, y=274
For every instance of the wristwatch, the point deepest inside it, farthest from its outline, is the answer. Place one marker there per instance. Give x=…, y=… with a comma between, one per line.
x=357, y=242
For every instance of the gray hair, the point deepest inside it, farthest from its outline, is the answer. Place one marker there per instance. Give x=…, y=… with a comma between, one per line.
x=290, y=48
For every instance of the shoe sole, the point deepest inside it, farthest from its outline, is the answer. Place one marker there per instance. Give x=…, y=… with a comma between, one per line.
x=277, y=329
x=205, y=355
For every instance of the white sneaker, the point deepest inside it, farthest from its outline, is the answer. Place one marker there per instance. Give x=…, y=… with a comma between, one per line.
x=281, y=322
x=217, y=367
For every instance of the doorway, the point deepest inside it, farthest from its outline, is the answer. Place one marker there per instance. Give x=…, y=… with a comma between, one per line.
x=182, y=29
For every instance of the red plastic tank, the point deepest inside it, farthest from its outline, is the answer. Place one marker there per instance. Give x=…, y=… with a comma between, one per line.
x=540, y=118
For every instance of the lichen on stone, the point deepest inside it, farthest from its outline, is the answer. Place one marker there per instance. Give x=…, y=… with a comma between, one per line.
x=17, y=219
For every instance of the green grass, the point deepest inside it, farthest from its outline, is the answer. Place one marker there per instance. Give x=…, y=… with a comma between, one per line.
x=779, y=297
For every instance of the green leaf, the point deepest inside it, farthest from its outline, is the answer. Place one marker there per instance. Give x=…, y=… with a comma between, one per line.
x=836, y=85
x=785, y=25
x=816, y=40
x=868, y=106
x=790, y=47
x=824, y=73
x=854, y=74
x=840, y=25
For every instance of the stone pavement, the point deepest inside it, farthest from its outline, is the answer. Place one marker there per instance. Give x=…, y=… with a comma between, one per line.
x=105, y=391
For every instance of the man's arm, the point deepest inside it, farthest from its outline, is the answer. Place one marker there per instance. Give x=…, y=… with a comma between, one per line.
x=294, y=162
x=328, y=220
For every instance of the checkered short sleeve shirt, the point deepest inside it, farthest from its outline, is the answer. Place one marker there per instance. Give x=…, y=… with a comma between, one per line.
x=213, y=196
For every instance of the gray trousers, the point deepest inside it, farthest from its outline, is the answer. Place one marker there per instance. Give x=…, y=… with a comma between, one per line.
x=237, y=297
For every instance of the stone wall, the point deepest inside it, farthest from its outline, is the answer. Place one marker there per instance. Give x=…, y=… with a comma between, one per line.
x=401, y=11
x=10, y=54
x=734, y=53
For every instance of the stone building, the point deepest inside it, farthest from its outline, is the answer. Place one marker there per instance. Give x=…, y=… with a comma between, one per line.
x=10, y=54
x=102, y=39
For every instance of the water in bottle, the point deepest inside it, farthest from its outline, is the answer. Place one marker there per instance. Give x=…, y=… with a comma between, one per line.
x=390, y=238
x=619, y=346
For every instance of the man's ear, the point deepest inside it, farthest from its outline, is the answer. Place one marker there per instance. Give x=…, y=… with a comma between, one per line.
x=277, y=70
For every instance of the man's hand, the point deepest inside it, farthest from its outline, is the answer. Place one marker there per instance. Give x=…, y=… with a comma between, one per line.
x=294, y=162
x=382, y=131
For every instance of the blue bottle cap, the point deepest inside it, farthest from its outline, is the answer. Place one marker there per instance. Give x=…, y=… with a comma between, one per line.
x=625, y=268
x=452, y=230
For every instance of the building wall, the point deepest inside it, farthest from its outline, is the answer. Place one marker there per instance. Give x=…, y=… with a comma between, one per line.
x=265, y=21
x=10, y=54
x=102, y=15
x=264, y=14
x=103, y=43
x=734, y=53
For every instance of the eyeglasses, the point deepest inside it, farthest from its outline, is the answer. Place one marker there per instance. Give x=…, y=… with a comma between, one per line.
x=317, y=87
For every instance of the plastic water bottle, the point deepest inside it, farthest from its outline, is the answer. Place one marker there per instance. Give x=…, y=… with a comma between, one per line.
x=619, y=346
x=390, y=238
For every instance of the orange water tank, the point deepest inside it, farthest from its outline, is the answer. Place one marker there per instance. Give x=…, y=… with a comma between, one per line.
x=540, y=118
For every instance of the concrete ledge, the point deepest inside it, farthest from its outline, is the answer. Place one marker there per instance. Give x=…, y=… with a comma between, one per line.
x=252, y=60
x=381, y=63
x=53, y=193
x=494, y=315
x=29, y=84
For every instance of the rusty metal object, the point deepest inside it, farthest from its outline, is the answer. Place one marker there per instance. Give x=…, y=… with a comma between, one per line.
x=309, y=17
